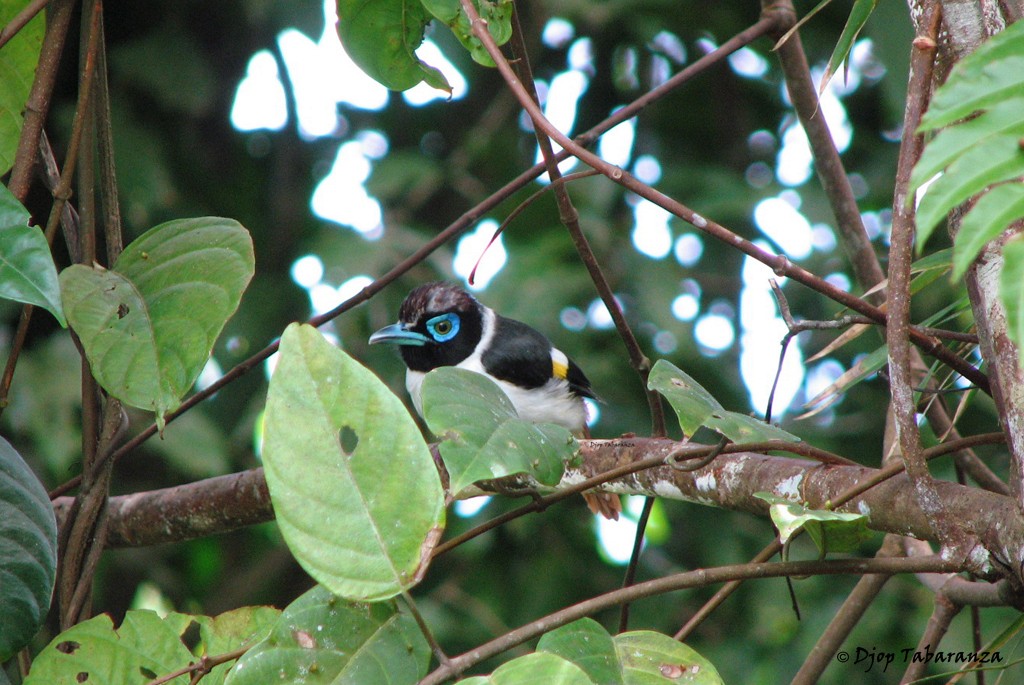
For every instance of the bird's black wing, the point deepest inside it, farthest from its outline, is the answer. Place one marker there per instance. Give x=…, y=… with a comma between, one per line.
x=521, y=355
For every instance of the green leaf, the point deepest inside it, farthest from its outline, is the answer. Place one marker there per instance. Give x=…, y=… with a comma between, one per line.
x=832, y=531
x=321, y=638
x=355, y=490
x=539, y=667
x=18, y=60
x=141, y=649
x=381, y=36
x=989, y=217
x=1011, y=289
x=230, y=631
x=497, y=15
x=648, y=658
x=859, y=14
x=588, y=645
x=696, y=407
x=148, y=325
x=482, y=434
x=998, y=158
x=27, y=271
x=28, y=552
x=1006, y=118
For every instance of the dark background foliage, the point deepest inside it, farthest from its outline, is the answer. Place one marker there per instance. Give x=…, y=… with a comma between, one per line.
x=174, y=70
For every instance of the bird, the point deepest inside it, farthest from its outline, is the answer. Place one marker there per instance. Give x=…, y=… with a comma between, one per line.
x=441, y=324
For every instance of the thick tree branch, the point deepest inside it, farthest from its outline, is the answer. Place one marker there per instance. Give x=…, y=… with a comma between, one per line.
x=224, y=503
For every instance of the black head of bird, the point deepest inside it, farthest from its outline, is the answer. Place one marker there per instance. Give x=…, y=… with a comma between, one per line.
x=440, y=324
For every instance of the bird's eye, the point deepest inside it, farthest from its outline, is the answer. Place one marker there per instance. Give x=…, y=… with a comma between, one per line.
x=443, y=327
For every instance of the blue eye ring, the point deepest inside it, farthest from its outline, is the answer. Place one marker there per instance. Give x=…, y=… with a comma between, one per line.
x=444, y=327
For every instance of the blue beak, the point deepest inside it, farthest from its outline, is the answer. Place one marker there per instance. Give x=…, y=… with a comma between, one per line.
x=398, y=334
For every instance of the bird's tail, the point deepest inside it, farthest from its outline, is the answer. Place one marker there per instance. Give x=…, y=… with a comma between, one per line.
x=604, y=503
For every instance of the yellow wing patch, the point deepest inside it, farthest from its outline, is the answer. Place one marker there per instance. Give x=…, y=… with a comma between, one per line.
x=559, y=364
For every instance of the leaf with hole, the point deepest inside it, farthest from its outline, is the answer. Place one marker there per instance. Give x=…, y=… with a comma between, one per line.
x=321, y=638
x=355, y=490
x=381, y=37
x=149, y=324
x=28, y=552
x=483, y=436
x=27, y=271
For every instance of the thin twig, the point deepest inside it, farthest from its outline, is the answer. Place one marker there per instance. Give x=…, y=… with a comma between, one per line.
x=435, y=646
x=204, y=665
x=18, y=21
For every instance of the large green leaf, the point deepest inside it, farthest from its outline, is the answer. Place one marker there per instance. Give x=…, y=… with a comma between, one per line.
x=634, y=658
x=28, y=552
x=483, y=436
x=321, y=638
x=539, y=667
x=148, y=325
x=994, y=211
x=381, y=36
x=497, y=15
x=648, y=658
x=18, y=60
x=145, y=646
x=696, y=407
x=355, y=490
x=94, y=652
x=588, y=645
x=27, y=271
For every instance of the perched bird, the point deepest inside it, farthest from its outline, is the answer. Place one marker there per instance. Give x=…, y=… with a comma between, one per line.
x=440, y=324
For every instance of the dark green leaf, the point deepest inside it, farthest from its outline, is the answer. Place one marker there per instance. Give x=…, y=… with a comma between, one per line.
x=341, y=453
x=27, y=271
x=990, y=216
x=321, y=638
x=28, y=552
x=497, y=15
x=540, y=667
x=381, y=36
x=148, y=325
x=483, y=436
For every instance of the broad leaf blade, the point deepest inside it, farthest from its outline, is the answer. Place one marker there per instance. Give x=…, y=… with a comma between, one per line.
x=742, y=428
x=996, y=159
x=645, y=656
x=692, y=403
x=992, y=214
x=831, y=531
x=231, y=630
x=28, y=552
x=27, y=271
x=482, y=434
x=143, y=647
x=321, y=638
x=148, y=325
x=381, y=36
x=18, y=60
x=588, y=645
x=355, y=490
x=498, y=17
